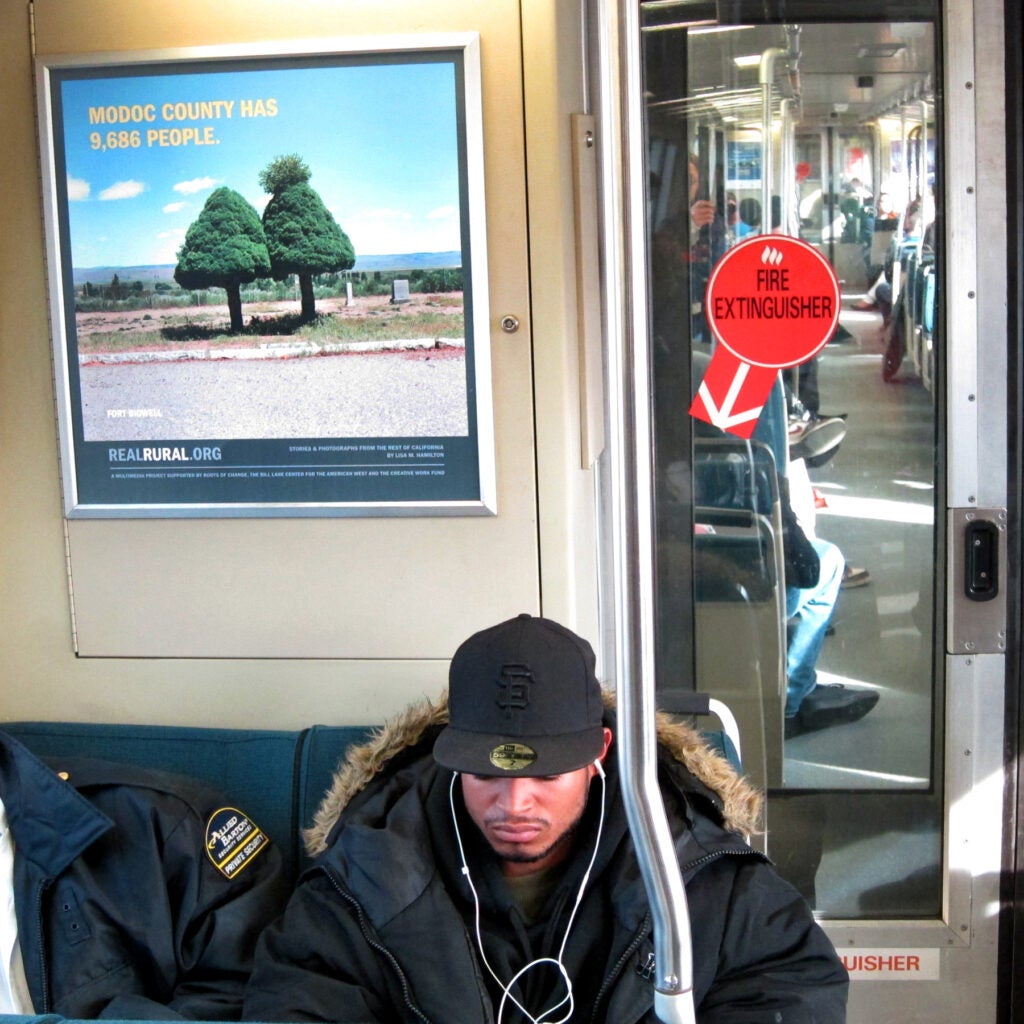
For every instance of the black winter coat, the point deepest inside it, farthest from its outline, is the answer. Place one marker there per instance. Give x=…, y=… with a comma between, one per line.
x=382, y=928
x=122, y=911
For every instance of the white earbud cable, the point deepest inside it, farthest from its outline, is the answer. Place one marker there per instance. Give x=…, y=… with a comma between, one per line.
x=506, y=989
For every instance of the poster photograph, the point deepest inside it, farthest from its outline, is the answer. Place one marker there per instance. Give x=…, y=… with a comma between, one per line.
x=268, y=280
x=743, y=167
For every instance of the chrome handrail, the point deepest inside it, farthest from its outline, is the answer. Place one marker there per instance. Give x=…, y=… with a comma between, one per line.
x=629, y=447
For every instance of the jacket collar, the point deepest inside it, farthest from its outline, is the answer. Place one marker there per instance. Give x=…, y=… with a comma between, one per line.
x=51, y=822
x=402, y=740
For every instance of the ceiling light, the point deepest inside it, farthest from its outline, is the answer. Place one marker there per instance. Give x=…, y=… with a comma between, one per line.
x=674, y=26
x=880, y=51
x=708, y=29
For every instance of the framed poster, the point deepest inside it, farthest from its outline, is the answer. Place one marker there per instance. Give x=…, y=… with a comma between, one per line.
x=268, y=279
x=743, y=164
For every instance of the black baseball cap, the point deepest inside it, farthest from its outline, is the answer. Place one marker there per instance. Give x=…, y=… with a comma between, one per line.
x=523, y=699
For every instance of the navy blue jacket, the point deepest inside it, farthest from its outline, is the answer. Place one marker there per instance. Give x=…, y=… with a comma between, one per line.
x=138, y=894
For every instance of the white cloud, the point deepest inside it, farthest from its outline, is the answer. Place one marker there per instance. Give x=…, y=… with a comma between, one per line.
x=443, y=213
x=123, y=190
x=189, y=188
x=77, y=189
x=175, y=207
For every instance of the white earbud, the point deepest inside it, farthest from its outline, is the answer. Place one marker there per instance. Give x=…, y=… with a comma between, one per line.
x=506, y=989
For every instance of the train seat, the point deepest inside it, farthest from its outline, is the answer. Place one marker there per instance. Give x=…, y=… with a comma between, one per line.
x=739, y=591
x=277, y=777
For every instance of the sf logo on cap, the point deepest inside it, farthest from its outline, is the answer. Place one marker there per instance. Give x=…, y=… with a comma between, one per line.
x=510, y=757
x=514, y=688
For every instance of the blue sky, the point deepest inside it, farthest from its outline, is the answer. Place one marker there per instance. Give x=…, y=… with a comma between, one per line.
x=380, y=141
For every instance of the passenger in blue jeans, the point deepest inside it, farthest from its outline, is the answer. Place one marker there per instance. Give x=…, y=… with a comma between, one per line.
x=814, y=574
x=810, y=705
x=811, y=595
x=813, y=606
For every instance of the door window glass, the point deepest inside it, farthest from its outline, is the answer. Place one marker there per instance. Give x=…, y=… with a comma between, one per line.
x=797, y=573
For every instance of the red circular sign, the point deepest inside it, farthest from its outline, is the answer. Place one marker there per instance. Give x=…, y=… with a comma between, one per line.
x=773, y=301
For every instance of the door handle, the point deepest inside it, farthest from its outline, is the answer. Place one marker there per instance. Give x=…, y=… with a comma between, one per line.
x=981, y=560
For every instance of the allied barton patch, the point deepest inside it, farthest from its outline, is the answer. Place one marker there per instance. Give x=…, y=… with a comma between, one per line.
x=232, y=840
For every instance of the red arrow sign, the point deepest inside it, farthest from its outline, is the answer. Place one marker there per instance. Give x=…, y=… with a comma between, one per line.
x=772, y=301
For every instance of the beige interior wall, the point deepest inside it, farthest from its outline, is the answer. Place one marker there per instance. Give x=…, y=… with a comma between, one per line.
x=554, y=91
x=287, y=622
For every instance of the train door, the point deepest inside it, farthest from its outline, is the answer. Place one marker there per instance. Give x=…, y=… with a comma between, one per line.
x=869, y=687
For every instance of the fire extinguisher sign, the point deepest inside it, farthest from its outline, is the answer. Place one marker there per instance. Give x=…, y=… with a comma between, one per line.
x=772, y=302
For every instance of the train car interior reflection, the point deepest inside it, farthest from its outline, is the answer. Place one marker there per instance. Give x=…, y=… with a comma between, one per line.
x=829, y=133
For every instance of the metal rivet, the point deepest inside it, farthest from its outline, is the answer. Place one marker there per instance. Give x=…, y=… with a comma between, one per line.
x=510, y=324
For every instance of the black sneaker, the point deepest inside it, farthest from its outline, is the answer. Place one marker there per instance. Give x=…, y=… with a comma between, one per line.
x=816, y=440
x=854, y=577
x=831, y=704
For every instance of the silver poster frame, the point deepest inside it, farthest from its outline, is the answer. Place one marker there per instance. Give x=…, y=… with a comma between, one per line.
x=468, y=461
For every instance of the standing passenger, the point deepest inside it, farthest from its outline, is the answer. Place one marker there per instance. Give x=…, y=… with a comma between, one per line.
x=483, y=871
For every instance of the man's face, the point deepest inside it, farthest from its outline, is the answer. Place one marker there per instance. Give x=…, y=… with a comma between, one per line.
x=529, y=822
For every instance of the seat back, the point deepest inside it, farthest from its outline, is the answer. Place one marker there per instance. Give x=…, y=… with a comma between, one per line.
x=277, y=777
x=740, y=628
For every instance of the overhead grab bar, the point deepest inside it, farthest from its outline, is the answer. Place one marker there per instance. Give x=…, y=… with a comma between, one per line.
x=629, y=447
x=791, y=106
x=766, y=79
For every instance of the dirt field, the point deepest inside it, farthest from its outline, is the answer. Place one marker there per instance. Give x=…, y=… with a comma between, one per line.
x=149, y=324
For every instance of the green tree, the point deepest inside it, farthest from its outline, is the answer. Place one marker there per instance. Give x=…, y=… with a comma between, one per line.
x=303, y=237
x=224, y=248
x=283, y=171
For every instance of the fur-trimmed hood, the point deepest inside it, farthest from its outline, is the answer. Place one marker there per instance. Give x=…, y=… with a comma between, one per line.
x=741, y=804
